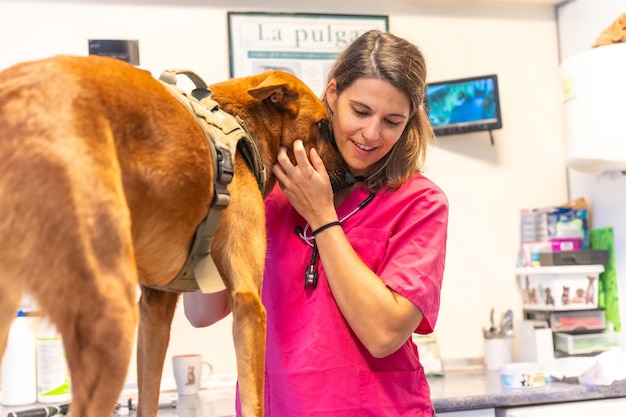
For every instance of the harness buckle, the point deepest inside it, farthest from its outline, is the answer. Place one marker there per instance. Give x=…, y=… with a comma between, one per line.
x=225, y=167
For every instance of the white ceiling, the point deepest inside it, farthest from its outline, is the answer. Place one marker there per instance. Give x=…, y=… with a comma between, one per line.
x=549, y=2
x=290, y=5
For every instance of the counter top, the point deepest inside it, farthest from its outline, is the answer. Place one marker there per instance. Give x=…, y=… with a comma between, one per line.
x=456, y=391
x=472, y=390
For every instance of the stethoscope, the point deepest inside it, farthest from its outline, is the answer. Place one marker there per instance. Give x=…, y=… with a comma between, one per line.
x=311, y=274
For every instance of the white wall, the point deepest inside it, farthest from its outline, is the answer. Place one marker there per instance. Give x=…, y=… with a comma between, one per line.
x=486, y=185
x=579, y=24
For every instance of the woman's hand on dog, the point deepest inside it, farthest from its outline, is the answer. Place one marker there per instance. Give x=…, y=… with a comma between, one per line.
x=306, y=185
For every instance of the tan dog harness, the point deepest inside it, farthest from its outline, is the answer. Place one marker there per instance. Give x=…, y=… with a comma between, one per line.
x=226, y=134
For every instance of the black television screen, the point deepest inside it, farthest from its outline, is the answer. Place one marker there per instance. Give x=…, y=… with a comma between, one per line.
x=464, y=105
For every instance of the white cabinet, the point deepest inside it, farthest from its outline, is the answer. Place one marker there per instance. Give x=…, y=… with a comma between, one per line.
x=487, y=412
x=599, y=408
x=593, y=122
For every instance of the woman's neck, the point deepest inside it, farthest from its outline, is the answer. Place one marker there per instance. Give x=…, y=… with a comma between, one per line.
x=341, y=196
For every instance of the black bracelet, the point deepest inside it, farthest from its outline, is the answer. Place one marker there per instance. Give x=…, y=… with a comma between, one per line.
x=326, y=226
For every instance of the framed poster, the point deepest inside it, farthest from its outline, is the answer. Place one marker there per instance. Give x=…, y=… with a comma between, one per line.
x=303, y=44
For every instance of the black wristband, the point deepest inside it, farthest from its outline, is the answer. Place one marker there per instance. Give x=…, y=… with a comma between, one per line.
x=326, y=226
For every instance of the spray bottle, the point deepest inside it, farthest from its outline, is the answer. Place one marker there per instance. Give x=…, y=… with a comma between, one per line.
x=53, y=383
x=19, y=374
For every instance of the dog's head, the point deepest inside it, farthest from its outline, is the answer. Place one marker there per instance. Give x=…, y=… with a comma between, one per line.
x=277, y=109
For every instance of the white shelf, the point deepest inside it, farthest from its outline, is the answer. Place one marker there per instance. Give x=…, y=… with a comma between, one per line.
x=559, y=269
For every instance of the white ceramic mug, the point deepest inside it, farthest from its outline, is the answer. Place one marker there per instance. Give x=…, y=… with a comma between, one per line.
x=188, y=373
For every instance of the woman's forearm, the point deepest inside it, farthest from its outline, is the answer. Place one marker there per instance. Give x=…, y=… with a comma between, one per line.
x=205, y=309
x=381, y=318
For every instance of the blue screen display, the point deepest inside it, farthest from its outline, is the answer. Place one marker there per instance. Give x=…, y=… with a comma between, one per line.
x=464, y=105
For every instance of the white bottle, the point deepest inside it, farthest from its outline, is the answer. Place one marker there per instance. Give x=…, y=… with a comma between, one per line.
x=19, y=377
x=53, y=382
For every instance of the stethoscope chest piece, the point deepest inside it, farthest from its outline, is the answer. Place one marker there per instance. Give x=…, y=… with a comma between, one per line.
x=310, y=278
x=311, y=274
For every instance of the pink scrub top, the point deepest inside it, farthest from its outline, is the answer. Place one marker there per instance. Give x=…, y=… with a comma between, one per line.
x=315, y=365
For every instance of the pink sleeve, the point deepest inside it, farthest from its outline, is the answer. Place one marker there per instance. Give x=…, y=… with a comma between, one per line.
x=414, y=262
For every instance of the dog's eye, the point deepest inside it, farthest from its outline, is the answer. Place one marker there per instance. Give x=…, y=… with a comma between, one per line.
x=324, y=130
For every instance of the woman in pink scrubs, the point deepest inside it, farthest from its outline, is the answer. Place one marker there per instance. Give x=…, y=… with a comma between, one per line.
x=350, y=276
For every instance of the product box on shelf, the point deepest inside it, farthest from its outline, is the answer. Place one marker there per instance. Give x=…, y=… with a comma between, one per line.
x=571, y=321
x=585, y=344
x=572, y=287
x=576, y=257
x=553, y=229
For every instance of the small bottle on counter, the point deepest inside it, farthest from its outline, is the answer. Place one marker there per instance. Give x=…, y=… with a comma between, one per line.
x=19, y=374
x=53, y=382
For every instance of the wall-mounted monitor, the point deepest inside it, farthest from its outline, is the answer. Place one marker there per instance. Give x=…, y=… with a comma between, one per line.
x=125, y=50
x=464, y=105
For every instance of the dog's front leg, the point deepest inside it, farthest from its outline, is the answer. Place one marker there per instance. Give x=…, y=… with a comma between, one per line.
x=156, y=313
x=249, y=324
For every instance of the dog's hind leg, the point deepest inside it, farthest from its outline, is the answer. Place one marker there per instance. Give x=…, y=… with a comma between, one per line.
x=87, y=287
x=239, y=251
x=66, y=240
x=94, y=305
x=98, y=343
x=156, y=311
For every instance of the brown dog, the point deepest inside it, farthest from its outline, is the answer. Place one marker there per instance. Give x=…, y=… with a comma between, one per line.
x=614, y=33
x=104, y=177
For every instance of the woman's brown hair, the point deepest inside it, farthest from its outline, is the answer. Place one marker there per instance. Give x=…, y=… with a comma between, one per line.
x=384, y=56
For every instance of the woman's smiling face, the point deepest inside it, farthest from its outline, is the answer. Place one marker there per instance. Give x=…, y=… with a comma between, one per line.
x=369, y=117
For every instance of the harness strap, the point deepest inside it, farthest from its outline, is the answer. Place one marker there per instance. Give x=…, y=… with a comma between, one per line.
x=225, y=135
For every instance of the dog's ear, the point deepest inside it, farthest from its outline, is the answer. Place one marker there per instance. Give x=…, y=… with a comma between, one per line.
x=279, y=92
